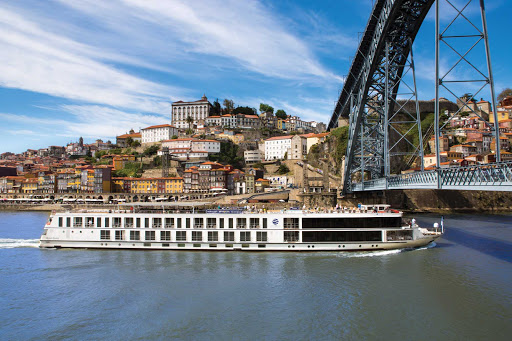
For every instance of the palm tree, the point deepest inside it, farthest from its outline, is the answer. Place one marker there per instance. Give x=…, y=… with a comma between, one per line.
x=189, y=120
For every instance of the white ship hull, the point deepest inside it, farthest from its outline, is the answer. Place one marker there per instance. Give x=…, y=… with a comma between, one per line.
x=354, y=230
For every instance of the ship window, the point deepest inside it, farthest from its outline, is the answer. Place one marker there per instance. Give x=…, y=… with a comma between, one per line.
x=197, y=236
x=198, y=223
x=157, y=223
x=179, y=223
x=116, y=222
x=261, y=236
x=146, y=222
x=169, y=222
x=165, y=235
x=77, y=222
x=138, y=222
x=399, y=235
x=241, y=223
x=128, y=222
x=89, y=221
x=264, y=223
x=60, y=221
x=98, y=222
x=230, y=223
x=150, y=235
x=291, y=236
x=330, y=223
x=119, y=235
x=212, y=223
x=229, y=236
x=105, y=235
x=221, y=223
x=68, y=222
x=291, y=223
x=254, y=223
x=341, y=236
x=134, y=235
x=245, y=236
x=107, y=222
x=213, y=236
x=181, y=236
x=187, y=223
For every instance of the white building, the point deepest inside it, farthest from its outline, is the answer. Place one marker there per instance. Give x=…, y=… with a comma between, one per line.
x=277, y=147
x=197, y=110
x=158, y=133
x=191, y=148
x=252, y=156
x=280, y=180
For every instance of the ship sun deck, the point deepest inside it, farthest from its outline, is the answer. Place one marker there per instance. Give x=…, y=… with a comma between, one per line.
x=232, y=229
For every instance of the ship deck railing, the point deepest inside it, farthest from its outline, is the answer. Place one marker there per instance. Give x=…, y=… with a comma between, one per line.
x=228, y=211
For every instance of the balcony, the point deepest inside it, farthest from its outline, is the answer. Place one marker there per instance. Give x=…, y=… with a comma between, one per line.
x=212, y=226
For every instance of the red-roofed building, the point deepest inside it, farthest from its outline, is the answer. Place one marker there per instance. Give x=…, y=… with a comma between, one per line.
x=121, y=140
x=276, y=147
x=158, y=133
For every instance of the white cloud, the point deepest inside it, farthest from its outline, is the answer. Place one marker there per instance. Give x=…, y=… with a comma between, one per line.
x=34, y=59
x=240, y=31
x=91, y=121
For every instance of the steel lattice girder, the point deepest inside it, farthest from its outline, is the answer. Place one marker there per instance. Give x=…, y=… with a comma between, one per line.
x=398, y=23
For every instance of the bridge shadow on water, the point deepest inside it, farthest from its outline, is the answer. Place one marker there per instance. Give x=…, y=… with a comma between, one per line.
x=490, y=246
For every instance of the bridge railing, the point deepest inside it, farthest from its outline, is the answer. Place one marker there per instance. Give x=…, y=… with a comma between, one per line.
x=493, y=176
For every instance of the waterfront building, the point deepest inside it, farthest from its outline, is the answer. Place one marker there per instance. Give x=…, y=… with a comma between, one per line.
x=197, y=110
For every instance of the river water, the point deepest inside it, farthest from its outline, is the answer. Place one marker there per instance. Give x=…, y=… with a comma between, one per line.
x=459, y=289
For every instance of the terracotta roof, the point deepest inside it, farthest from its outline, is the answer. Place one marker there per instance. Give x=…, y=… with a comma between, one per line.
x=159, y=126
x=279, y=138
x=125, y=136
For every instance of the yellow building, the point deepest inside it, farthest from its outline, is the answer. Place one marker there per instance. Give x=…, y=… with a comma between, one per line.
x=119, y=161
x=29, y=185
x=504, y=113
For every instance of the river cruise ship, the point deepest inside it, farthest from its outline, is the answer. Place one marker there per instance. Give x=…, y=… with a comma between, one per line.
x=182, y=226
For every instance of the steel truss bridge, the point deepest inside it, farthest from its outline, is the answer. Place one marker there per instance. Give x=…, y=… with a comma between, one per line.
x=379, y=99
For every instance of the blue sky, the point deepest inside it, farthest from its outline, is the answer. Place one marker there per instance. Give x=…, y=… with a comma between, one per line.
x=71, y=68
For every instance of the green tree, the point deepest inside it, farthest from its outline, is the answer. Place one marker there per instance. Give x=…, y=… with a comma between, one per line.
x=229, y=105
x=174, y=137
x=135, y=144
x=131, y=169
x=228, y=154
x=99, y=153
x=244, y=110
x=157, y=161
x=216, y=108
x=189, y=120
x=281, y=114
x=283, y=169
x=129, y=141
x=504, y=93
x=266, y=108
x=151, y=150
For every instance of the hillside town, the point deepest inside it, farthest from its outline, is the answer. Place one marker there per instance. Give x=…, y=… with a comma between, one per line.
x=217, y=150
